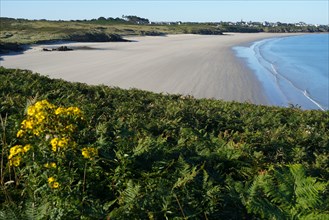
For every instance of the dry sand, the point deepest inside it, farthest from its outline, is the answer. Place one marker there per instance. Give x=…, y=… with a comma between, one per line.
x=201, y=66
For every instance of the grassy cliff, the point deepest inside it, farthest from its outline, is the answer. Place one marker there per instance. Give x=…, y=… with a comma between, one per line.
x=159, y=156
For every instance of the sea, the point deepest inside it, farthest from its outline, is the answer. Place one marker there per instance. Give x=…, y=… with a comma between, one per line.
x=294, y=70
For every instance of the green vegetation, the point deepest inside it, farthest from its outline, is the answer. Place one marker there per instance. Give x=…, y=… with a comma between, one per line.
x=132, y=154
x=27, y=31
x=22, y=31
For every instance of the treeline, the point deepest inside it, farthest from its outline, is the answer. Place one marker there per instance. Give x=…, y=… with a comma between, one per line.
x=294, y=29
x=132, y=19
x=273, y=29
x=243, y=27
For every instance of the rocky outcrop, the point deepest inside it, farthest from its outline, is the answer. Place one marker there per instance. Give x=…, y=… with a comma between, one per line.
x=61, y=48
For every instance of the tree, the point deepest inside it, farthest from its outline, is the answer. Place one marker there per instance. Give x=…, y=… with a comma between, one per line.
x=101, y=19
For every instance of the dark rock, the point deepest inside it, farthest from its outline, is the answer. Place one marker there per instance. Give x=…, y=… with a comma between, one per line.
x=64, y=48
x=61, y=48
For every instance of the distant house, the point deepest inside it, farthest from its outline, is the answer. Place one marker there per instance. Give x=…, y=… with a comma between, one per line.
x=300, y=24
x=266, y=24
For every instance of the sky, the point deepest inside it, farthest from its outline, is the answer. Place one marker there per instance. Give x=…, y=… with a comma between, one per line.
x=308, y=11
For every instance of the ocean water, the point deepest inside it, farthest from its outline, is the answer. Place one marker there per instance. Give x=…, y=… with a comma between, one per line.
x=293, y=70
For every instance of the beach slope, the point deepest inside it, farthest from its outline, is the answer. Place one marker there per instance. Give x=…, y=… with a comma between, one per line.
x=197, y=65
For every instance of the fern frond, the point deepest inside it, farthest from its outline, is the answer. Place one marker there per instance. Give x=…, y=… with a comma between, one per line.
x=34, y=211
x=315, y=216
x=187, y=174
x=143, y=146
x=131, y=192
x=11, y=212
x=285, y=192
x=258, y=203
x=306, y=188
x=279, y=188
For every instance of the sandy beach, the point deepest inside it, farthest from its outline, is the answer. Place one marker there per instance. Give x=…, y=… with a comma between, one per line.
x=197, y=65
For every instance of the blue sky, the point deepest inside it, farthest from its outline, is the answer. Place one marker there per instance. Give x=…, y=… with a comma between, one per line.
x=309, y=11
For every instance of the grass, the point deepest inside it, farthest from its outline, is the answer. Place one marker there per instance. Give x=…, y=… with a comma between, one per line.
x=21, y=31
x=164, y=156
x=27, y=32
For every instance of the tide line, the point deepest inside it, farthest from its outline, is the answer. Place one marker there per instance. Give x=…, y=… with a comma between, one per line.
x=306, y=94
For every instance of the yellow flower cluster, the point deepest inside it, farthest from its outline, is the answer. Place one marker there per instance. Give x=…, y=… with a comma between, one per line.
x=74, y=111
x=15, y=154
x=59, y=143
x=53, y=183
x=42, y=115
x=52, y=130
x=89, y=152
x=36, y=115
x=46, y=121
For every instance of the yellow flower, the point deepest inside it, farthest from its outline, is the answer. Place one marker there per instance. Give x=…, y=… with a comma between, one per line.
x=15, y=161
x=54, y=148
x=57, y=143
x=74, y=111
x=20, y=133
x=27, y=124
x=38, y=105
x=40, y=117
x=42, y=105
x=89, y=152
x=54, y=143
x=31, y=110
x=26, y=148
x=62, y=142
x=59, y=110
x=51, y=179
x=36, y=132
x=55, y=185
x=15, y=149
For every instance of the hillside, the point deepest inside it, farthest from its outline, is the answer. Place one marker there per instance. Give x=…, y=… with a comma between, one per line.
x=24, y=31
x=141, y=155
x=16, y=32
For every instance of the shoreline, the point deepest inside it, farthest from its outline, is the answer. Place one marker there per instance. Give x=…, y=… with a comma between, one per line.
x=204, y=66
x=281, y=89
